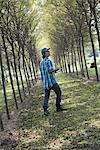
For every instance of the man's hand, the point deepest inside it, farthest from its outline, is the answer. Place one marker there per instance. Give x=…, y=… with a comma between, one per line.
x=55, y=70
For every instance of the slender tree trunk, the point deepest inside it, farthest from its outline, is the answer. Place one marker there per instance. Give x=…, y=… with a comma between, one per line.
x=72, y=59
x=5, y=74
x=4, y=87
x=19, y=68
x=33, y=61
x=63, y=64
x=64, y=61
x=30, y=69
x=1, y=123
x=75, y=63
x=84, y=56
x=19, y=43
x=93, y=10
x=25, y=71
x=81, y=58
x=34, y=72
x=92, y=43
x=11, y=63
x=93, y=47
x=69, y=63
x=15, y=66
x=59, y=59
x=11, y=80
x=26, y=79
x=97, y=28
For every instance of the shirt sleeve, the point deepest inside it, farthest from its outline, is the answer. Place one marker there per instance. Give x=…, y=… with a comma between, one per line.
x=50, y=66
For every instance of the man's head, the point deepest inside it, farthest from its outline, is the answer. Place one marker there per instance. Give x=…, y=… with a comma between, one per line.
x=45, y=52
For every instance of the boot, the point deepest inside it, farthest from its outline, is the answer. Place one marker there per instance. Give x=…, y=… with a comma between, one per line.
x=46, y=113
x=59, y=108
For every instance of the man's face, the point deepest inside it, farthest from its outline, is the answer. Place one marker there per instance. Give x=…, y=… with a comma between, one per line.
x=47, y=53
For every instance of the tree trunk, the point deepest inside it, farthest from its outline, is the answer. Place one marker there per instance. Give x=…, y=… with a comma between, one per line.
x=60, y=62
x=1, y=123
x=93, y=47
x=25, y=71
x=30, y=69
x=26, y=79
x=63, y=63
x=84, y=56
x=97, y=28
x=75, y=63
x=19, y=68
x=4, y=87
x=34, y=72
x=92, y=44
x=11, y=63
x=93, y=10
x=11, y=80
x=15, y=66
x=81, y=58
x=72, y=59
x=69, y=63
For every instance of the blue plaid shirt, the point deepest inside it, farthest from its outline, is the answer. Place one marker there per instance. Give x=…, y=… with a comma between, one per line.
x=47, y=76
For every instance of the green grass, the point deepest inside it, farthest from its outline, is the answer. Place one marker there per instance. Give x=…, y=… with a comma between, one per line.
x=92, y=72
x=9, y=93
x=77, y=128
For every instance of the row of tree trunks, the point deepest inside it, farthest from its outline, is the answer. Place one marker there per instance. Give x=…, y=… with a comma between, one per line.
x=77, y=30
x=16, y=64
x=29, y=72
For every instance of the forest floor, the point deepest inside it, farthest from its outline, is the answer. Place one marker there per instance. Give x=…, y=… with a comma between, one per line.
x=78, y=128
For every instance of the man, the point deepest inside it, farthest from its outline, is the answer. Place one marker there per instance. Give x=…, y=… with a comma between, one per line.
x=49, y=81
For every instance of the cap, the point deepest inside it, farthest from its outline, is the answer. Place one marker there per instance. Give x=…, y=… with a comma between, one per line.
x=44, y=50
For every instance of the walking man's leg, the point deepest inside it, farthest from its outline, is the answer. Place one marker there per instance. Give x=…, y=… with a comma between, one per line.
x=46, y=99
x=57, y=90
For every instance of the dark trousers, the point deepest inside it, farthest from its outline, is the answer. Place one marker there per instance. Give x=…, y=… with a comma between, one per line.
x=57, y=91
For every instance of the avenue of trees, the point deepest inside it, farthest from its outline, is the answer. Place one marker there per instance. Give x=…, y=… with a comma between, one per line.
x=73, y=27
x=18, y=63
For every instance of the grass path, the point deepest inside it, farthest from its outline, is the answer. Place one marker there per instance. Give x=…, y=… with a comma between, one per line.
x=76, y=129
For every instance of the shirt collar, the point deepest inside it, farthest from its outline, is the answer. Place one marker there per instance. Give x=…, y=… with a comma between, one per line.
x=46, y=58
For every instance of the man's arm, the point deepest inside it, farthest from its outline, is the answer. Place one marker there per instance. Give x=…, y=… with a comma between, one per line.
x=53, y=70
x=50, y=67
